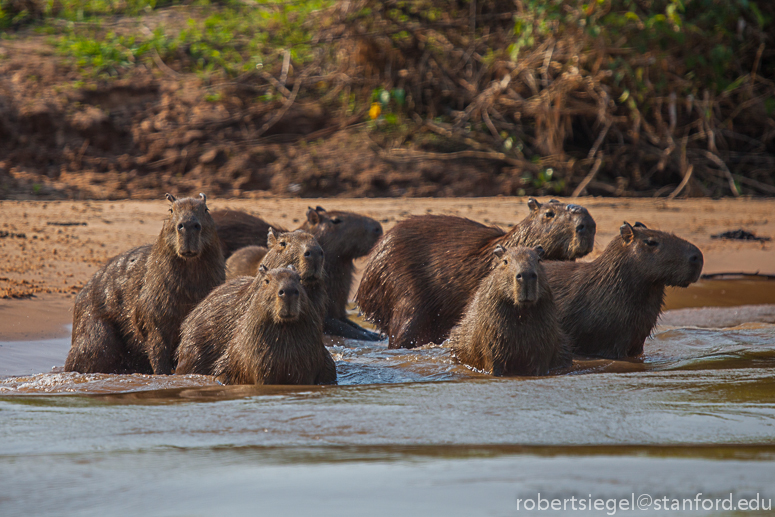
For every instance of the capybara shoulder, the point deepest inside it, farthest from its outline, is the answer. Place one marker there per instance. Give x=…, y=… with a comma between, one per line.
x=609, y=306
x=344, y=237
x=424, y=271
x=261, y=330
x=127, y=318
x=245, y=261
x=237, y=229
x=511, y=326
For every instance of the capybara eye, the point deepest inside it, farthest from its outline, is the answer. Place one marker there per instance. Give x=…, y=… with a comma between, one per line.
x=519, y=276
x=336, y=220
x=651, y=243
x=549, y=214
x=180, y=227
x=266, y=280
x=283, y=244
x=506, y=262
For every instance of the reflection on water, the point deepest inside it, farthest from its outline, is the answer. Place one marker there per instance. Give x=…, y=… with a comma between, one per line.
x=406, y=432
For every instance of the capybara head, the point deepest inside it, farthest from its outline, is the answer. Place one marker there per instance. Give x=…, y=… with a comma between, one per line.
x=517, y=271
x=189, y=228
x=297, y=248
x=348, y=234
x=281, y=293
x=659, y=257
x=565, y=231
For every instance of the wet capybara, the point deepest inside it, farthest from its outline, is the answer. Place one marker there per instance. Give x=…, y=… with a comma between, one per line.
x=344, y=237
x=300, y=250
x=245, y=261
x=127, y=318
x=425, y=270
x=608, y=307
x=260, y=330
x=511, y=326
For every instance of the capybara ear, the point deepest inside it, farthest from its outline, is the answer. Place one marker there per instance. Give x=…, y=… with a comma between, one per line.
x=554, y=201
x=271, y=239
x=319, y=209
x=540, y=252
x=499, y=251
x=203, y=197
x=533, y=204
x=291, y=267
x=638, y=224
x=626, y=231
x=170, y=197
x=312, y=216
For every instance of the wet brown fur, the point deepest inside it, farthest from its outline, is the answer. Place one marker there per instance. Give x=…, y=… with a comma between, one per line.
x=511, y=326
x=261, y=330
x=609, y=306
x=425, y=270
x=245, y=261
x=127, y=318
x=300, y=250
x=344, y=237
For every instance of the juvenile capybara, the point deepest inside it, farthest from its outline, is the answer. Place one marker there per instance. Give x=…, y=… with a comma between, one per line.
x=259, y=330
x=609, y=306
x=245, y=261
x=425, y=270
x=511, y=326
x=127, y=318
x=344, y=237
x=300, y=250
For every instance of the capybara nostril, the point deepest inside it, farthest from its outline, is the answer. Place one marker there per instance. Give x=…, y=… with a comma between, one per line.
x=694, y=259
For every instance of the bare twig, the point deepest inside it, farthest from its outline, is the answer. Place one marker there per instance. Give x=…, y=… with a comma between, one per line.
x=590, y=176
x=687, y=177
x=723, y=166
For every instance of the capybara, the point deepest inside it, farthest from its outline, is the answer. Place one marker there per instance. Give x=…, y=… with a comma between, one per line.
x=300, y=250
x=245, y=261
x=259, y=330
x=344, y=237
x=127, y=318
x=511, y=326
x=425, y=270
x=609, y=306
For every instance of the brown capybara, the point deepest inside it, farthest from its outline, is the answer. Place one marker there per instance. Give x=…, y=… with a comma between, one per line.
x=259, y=330
x=344, y=237
x=245, y=261
x=608, y=307
x=127, y=318
x=300, y=250
x=425, y=270
x=511, y=326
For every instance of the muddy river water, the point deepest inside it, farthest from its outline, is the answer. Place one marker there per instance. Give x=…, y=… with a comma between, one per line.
x=692, y=423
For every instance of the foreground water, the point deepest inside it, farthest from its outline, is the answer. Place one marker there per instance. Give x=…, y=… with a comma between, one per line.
x=406, y=432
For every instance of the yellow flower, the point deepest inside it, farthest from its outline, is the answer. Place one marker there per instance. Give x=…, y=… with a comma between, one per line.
x=375, y=110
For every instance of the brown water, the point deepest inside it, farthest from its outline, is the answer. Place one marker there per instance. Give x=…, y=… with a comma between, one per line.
x=405, y=433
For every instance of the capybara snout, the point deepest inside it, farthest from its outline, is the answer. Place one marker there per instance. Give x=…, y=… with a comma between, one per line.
x=193, y=226
x=288, y=300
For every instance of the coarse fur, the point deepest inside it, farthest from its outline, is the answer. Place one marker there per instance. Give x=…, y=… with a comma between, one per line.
x=609, y=306
x=424, y=271
x=261, y=330
x=511, y=326
x=245, y=261
x=300, y=250
x=344, y=237
x=127, y=318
